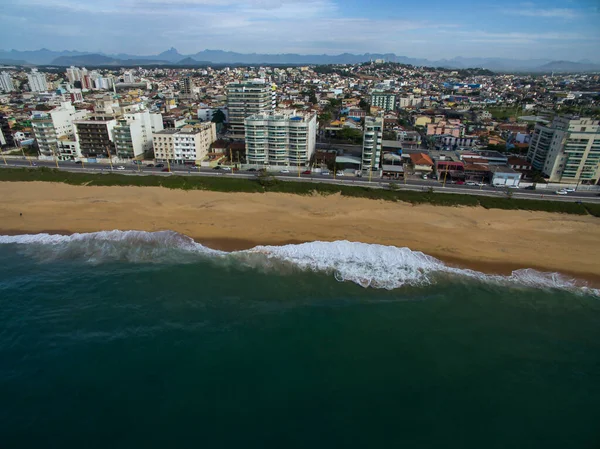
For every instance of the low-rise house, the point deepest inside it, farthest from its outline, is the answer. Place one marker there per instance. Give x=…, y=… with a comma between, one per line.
x=421, y=162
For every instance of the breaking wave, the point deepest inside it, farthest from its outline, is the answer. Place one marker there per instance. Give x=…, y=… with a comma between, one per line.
x=367, y=265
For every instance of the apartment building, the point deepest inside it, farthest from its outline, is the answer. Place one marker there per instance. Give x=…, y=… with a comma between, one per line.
x=451, y=127
x=37, y=81
x=133, y=133
x=96, y=136
x=6, y=136
x=6, y=83
x=372, y=138
x=383, y=100
x=567, y=150
x=245, y=99
x=282, y=138
x=49, y=127
x=187, y=145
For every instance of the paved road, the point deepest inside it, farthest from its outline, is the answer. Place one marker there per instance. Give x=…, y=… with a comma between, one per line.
x=411, y=184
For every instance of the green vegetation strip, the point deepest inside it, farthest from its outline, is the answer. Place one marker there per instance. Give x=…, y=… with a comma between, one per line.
x=269, y=184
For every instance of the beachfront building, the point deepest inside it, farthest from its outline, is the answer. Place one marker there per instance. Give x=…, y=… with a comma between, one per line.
x=49, y=127
x=187, y=145
x=372, y=141
x=37, y=81
x=6, y=137
x=6, y=83
x=383, y=100
x=95, y=136
x=567, y=150
x=281, y=138
x=245, y=99
x=133, y=134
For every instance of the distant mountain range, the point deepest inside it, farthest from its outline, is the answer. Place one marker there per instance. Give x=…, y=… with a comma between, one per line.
x=173, y=57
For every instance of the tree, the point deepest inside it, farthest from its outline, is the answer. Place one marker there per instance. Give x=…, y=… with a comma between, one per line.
x=325, y=116
x=218, y=116
x=389, y=135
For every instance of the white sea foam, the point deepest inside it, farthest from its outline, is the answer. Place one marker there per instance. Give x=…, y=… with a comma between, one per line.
x=368, y=265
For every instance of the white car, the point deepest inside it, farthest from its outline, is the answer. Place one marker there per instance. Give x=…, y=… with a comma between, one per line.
x=561, y=192
x=568, y=189
x=470, y=183
x=325, y=172
x=340, y=173
x=513, y=187
x=120, y=167
x=226, y=168
x=284, y=171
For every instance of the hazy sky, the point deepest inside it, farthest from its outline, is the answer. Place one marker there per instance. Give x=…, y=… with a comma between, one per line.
x=431, y=29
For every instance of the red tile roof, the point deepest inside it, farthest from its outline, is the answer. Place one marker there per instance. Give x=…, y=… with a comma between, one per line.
x=421, y=159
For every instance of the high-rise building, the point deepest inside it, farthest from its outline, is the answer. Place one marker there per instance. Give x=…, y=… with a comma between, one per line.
x=6, y=136
x=567, y=150
x=37, y=81
x=133, y=134
x=49, y=127
x=6, y=83
x=74, y=74
x=283, y=138
x=383, y=100
x=372, y=137
x=187, y=145
x=245, y=99
x=187, y=87
x=96, y=136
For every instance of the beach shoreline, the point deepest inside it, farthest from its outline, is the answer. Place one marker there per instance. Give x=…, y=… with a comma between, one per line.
x=489, y=241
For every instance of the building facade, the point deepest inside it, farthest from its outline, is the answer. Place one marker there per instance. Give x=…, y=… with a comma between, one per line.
x=567, y=150
x=385, y=101
x=37, y=81
x=96, y=136
x=133, y=134
x=6, y=83
x=282, y=138
x=372, y=143
x=49, y=127
x=6, y=136
x=245, y=99
x=187, y=145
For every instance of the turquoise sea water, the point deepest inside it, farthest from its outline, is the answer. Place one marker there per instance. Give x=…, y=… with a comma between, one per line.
x=135, y=340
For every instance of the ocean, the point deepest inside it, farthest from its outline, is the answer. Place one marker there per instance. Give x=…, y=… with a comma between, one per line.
x=150, y=340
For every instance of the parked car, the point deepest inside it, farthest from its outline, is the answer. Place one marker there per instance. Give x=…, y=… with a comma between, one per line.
x=150, y=165
x=460, y=183
x=325, y=173
x=530, y=188
x=424, y=176
x=284, y=171
x=340, y=173
x=160, y=165
x=120, y=167
x=166, y=169
x=226, y=168
x=513, y=187
x=470, y=183
x=561, y=192
x=568, y=189
x=251, y=169
x=34, y=164
x=481, y=184
x=78, y=162
x=218, y=167
x=306, y=172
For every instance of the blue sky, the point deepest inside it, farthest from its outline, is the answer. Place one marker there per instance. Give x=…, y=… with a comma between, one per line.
x=431, y=29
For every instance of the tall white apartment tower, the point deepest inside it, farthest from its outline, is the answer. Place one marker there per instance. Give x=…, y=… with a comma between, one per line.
x=6, y=83
x=245, y=99
x=37, y=81
x=51, y=126
x=372, y=137
x=567, y=150
x=282, y=138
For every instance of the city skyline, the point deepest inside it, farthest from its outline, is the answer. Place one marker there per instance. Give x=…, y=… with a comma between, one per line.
x=520, y=30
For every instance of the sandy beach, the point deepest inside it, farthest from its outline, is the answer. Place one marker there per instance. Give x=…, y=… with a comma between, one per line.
x=493, y=241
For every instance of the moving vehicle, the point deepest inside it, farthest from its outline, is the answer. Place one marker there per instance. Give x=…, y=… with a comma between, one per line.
x=284, y=171
x=513, y=187
x=120, y=167
x=160, y=165
x=218, y=167
x=471, y=183
x=226, y=168
x=561, y=192
x=306, y=172
x=568, y=189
